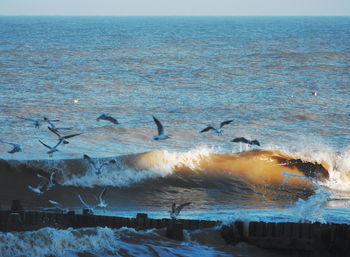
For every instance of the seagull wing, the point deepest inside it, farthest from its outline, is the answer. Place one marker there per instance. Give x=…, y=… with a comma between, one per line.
x=26, y=119
x=103, y=193
x=45, y=144
x=54, y=131
x=2, y=141
x=159, y=126
x=42, y=177
x=240, y=139
x=180, y=207
x=58, y=205
x=84, y=203
x=111, y=119
x=255, y=142
x=90, y=161
x=225, y=123
x=207, y=129
x=52, y=177
x=72, y=135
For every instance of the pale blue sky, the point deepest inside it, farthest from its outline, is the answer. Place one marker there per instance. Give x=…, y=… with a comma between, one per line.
x=175, y=7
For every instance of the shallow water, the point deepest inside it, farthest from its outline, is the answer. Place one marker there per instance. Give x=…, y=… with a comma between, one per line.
x=283, y=80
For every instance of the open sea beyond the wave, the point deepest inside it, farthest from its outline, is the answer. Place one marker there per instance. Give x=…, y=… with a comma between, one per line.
x=284, y=81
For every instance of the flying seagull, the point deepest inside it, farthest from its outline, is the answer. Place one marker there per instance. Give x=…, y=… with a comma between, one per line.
x=102, y=203
x=108, y=118
x=52, y=149
x=58, y=205
x=49, y=182
x=53, y=126
x=175, y=210
x=90, y=208
x=62, y=139
x=96, y=166
x=246, y=141
x=161, y=135
x=39, y=189
x=15, y=147
x=217, y=130
x=37, y=123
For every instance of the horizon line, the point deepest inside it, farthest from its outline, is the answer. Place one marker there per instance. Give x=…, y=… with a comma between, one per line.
x=174, y=15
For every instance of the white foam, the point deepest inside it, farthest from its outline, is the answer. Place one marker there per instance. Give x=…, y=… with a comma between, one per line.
x=99, y=242
x=124, y=176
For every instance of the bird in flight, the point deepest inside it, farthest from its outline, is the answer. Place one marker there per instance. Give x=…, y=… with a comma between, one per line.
x=101, y=201
x=37, y=122
x=107, y=118
x=161, y=135
x=52, y=149
x=217, y=130
x=53, y=126
x=62, y=139
x=49, y=181
x=175, y=210
x=95, y=165
x=246, y=141
x=15, y=147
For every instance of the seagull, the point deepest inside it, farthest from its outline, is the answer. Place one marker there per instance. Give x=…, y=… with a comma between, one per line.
x=102, y=203
x=58, y=205
x=161, y=135
x=62, y=139
x=38, y=189
x=108, y=118
x=97, y=167
x=49, y=182
x=91, y=209
x=246, y=141
x=37, y=123
x=52, y=149
x=217, y=130
x=175, y=211
x=15, y=147
x=53, y=126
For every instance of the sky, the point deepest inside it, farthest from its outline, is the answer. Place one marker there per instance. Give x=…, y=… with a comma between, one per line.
x=177, y=7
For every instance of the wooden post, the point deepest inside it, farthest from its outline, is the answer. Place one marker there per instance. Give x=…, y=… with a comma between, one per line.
x=175, y=231
x=16, y=206
x=14, y=222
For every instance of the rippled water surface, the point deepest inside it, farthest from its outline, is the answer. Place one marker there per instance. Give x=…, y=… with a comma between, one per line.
x=282, y=80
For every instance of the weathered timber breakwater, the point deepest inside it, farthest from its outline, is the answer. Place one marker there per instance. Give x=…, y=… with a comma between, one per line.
x=299, y=239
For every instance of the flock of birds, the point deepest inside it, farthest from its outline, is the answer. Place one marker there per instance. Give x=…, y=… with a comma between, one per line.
x=47, y=183
x=63, y=139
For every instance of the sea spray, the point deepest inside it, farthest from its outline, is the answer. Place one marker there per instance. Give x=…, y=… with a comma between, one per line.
x=311, y=209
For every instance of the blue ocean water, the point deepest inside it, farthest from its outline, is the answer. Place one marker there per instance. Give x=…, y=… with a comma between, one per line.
x=283, y=80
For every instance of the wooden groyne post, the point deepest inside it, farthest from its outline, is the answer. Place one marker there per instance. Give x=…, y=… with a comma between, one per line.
x=300, y=239
x=17, y=219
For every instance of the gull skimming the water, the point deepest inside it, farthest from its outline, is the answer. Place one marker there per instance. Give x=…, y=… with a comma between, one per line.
x=97, y=167
x=175, y=210
x=161, y=135
x=15, y=147
x=102, y=203
x=108, y=118
x=58, y=206
x=53, y=126
x=39, y=189
x=246, y=141
x=63, y=138
x=49, y=182
x=90, y=208
x=52, y=149
x=217, y=130
x=37, y=123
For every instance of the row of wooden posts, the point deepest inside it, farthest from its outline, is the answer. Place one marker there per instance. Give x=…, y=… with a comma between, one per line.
x=300, y=239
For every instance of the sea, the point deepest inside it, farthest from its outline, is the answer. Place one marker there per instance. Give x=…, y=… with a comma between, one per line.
x=284, y=81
